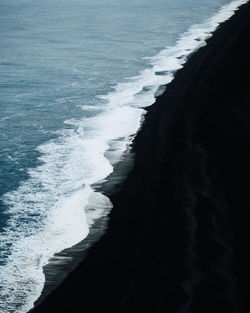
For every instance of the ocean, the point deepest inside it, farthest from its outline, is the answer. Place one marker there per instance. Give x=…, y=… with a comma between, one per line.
x=75, y=77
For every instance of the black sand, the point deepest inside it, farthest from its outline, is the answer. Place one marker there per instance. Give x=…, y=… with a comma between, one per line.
x=178, y=237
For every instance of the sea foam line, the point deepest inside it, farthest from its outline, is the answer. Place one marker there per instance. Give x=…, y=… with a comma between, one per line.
x=47, y=211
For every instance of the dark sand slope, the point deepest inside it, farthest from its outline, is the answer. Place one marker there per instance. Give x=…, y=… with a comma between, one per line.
x=178, y=238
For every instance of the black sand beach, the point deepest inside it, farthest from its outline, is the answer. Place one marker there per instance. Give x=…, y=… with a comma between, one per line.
x=178, y=236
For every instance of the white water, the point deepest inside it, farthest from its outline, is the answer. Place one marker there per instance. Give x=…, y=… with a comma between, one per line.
x=55, y=195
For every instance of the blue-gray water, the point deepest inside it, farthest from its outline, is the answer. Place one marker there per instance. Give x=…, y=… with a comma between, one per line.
x=74, y=78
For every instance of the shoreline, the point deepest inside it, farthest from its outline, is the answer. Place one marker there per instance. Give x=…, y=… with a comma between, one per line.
x=67, y=260
x=135, y=223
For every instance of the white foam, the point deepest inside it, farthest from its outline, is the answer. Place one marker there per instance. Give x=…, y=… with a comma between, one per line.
x=23, y=279
x=51, y=211
x=47, y=211
x=168, y=61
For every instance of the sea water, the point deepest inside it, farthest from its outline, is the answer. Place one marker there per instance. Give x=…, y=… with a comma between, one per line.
x=74, y=79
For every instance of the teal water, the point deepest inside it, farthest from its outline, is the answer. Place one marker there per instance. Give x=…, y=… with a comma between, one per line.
x=74, y=78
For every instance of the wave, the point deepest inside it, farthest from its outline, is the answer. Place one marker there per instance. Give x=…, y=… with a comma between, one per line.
x=47, y=212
